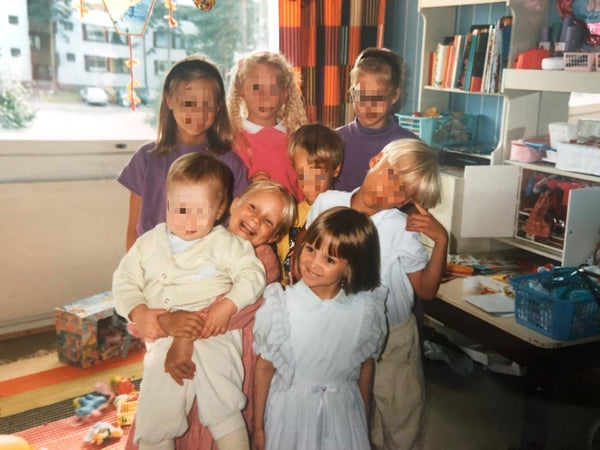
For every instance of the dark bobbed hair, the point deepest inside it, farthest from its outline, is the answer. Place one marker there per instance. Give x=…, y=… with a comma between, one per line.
x=194, y=67
x=345, y=233
x=202, y=168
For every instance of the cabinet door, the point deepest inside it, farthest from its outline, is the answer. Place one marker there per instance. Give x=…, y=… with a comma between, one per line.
x=582, y=230
x=489, y=201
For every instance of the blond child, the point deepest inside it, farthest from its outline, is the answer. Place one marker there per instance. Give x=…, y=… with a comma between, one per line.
x=261, y=214
x=316, y=153
x=406, y=171
x=186, y=264
x=375, y=87
x=265, y=105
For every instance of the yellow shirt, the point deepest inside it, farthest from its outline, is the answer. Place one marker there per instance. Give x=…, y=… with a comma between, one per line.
x=288, y=241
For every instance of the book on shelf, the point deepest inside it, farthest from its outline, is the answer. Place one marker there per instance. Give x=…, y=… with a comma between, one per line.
x=474, y=61
x=449, y=64
x=460, y=82
x=480, y=36
x=487, y=66
x=506, y=27
x=459, y=49
x=441, y=60
x=431, y=68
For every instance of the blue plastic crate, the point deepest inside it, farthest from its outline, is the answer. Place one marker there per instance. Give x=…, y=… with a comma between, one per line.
x=556, y=303
x=443, y=131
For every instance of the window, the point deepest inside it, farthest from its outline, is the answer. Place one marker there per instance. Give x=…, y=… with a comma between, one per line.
x=13, y=20
x=93, y=33
x=71, y=52
x=117, y=39
x=117, y=65
x=35, y=42
x=161, y=39
x=95, y=63
x=161, y=67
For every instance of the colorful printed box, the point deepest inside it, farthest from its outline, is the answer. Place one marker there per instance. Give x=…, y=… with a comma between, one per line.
x=89, y=330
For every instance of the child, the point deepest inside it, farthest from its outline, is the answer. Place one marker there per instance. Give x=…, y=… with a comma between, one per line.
x=265, y=104
x=376, y=81
x=316, y=154
x=317, y=340
x=192, y=118
x=262, y=213
x=186, y=264
x=405, y=171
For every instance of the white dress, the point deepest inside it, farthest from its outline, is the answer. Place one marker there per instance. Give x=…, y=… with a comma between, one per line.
x=317, y=348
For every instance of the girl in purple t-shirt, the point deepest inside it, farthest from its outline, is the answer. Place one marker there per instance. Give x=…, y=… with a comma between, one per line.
x=375, y=80
x=192, y=118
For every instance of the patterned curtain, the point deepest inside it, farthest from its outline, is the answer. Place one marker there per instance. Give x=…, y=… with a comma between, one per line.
x=321, y=39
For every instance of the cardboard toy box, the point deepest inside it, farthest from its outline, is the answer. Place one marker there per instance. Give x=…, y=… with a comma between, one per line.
x=89, y=330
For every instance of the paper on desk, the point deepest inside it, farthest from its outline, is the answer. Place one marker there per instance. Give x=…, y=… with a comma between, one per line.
x=493, y=303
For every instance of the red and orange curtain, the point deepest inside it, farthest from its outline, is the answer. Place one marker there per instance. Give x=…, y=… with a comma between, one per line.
x=322, y=38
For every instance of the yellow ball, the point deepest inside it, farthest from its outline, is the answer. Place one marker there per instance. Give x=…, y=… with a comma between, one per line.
x=11, y=442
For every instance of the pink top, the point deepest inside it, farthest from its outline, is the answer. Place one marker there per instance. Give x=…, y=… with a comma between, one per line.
x=265, y=149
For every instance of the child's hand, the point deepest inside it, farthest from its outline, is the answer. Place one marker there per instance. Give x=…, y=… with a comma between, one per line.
x=217, y=317
x=425, y=223
x=146, y=320
x=182, y=324
x=261, y=175
x=258, y=440
x=178, y=362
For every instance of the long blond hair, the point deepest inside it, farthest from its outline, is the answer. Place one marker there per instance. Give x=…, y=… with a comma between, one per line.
x=292, y=114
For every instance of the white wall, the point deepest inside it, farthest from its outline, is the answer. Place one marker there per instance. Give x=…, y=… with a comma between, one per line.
x=60, y=239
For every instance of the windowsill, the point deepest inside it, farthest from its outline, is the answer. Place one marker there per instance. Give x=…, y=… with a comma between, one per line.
x=27, y=161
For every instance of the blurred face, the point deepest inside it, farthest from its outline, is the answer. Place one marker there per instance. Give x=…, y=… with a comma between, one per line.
x=372, y=100
x=257, y=217
x=194, y=108
x=192, y=209
x=263, y=96
x=312, y=178
x=321, y=272
x=383, y=187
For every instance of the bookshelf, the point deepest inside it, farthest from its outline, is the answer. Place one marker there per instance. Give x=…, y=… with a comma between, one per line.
x=483, y=199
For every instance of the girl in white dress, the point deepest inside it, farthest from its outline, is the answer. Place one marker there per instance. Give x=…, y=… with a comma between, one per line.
x=317, y=340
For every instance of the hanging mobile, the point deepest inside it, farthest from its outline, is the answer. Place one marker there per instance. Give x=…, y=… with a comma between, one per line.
x=130, y=18
x=205, y=5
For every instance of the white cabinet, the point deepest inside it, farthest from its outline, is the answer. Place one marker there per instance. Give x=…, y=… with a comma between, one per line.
x=485, y=201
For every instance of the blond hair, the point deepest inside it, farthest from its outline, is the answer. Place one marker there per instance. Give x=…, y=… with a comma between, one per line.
x=292, y=113
x=288, y=215
x=194, y=67
x=417, y=164
x=346, y=233
x=322, y=145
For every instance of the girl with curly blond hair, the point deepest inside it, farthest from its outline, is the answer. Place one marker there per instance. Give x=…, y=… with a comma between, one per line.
x=265, y=105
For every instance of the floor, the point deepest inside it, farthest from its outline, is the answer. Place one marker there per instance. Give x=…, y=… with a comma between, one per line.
x=480, y=411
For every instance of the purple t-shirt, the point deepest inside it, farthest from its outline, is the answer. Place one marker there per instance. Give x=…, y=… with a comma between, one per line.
x=146, y=174
x=360, y=145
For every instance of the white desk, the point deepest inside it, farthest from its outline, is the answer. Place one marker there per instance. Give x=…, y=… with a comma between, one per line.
x=504, y=335
x=451, y=292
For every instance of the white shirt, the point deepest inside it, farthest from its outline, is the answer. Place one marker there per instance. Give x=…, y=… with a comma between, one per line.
x=401, y=252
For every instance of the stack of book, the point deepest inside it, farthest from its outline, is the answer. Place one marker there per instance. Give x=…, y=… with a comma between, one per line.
x=474, y=61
